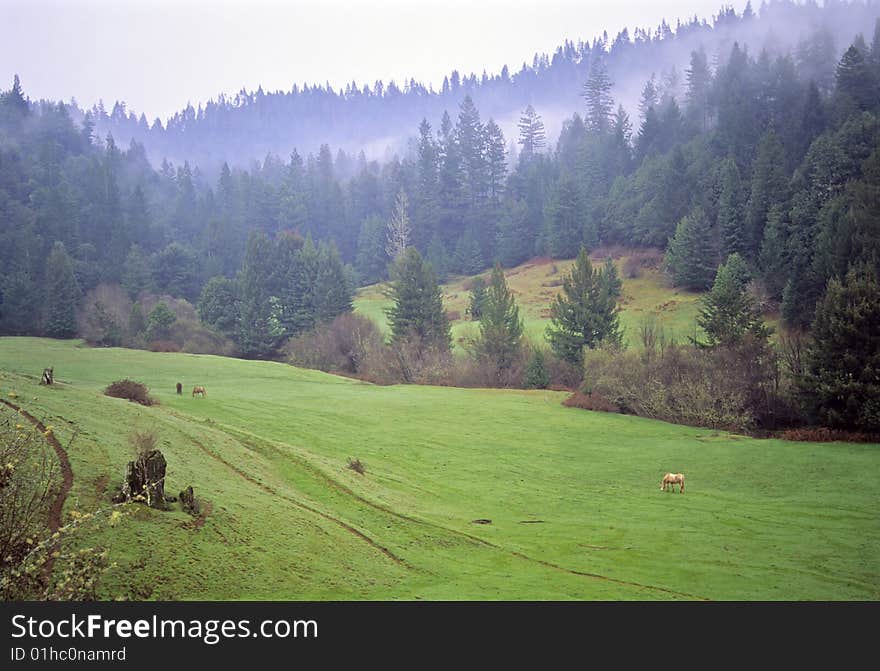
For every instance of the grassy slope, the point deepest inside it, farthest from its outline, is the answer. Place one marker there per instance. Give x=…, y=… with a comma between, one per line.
x=675, y=310
x=267, y=449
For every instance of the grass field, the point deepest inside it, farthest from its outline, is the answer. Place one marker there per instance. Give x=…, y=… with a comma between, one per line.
x=573, y=496
x=535, y=284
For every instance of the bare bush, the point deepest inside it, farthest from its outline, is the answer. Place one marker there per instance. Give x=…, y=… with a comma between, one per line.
x=722, y=388
x=143, y=441
x=131, y=390
x=341, y=346
x=103, y=319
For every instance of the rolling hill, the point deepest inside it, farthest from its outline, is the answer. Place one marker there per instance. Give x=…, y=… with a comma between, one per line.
x=573, y=496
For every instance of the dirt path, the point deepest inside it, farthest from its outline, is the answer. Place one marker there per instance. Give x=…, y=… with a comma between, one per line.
x=57, y=506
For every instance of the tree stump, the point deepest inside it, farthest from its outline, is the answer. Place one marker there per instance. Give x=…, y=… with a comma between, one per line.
x=188, y=501
x=48, y=376
x=145, y=480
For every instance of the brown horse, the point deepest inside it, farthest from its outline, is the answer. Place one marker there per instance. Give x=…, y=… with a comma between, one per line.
x=198, y=390
x=670, y=480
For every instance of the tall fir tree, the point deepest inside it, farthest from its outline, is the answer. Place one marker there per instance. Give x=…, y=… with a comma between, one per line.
x=62, y=294
x=842, y=371
x=583, y=315
x=728, y=312
x=730, y=220
x=597, y=94
x=691, y=257
x=501, y=328
x=531, y=133
x=417, y=304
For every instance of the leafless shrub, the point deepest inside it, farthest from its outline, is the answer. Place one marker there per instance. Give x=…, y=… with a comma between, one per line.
x=136, y=392
x=143, y=440
x=341, y=346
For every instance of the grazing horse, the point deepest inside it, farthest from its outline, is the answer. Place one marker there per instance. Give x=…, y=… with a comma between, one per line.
x=198, y=390
x=179, y=389
x=670, y=480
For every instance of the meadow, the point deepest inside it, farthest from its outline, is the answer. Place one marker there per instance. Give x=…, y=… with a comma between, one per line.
x=573, y=496
x=534, y=285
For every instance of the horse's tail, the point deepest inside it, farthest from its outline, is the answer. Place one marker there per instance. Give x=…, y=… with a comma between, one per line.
x=681, y=489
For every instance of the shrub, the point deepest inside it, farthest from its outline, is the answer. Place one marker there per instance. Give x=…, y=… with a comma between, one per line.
x=453, y=315
x=536, y=375
x=821, y=434
x=163, y=346
x=143, y=441
x=136, y=392
x=590, y=401
x=341, y=346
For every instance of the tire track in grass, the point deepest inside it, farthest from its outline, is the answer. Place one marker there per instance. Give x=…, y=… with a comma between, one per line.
x=243, y=437
x=57, y=506
x=357, y=532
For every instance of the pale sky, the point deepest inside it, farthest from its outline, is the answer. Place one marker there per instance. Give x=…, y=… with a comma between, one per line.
x=157, y=55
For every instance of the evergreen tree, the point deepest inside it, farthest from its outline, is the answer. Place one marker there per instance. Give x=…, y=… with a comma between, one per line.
x=769, y=188
x=699, y=79
x=856, y=89
x=438, y=257
x=218, y=305
x=611, y=282
x=691, y=257
x=536, y=374
x=842, y=371
x=136, y=276
x=477, y=298
x=62, y=294
x=650, y=97
x=597, y=94
x=728, y=312
x=565, y=228
x=159, y=322
x=417, y=310
x=427, y=213
x=531, y=133
x=730, y=219
x=496, y=162
x=371, y=260
x=583, y=315
x=259, y=328
x=501, y=328
x=514, y=241
x=333, y=295
x=468, y=257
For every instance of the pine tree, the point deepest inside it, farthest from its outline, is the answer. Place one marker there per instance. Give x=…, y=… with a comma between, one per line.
x=137, y=322
x=583, y=315
x=531, y=133
x=438, y=257
x=259, y=329
x=855, y=86
x=699, y=80
x=597, y=93
x=769, y=188
x=691, y=257
x=730, y=219
x=426, y=205
x=842, y=376
x=501, y=328
x=496, y=162
x=371, y=261
x=611, y=282
x=62, y=294
x=333, y=295
x=468, y=256
x=514, y=241
x=136, y=276
x=218, y=304
x=471, y=143
x=536, y=374
x=565, y=228
x=477, y=298
x=417, y=310
x=650, y=97
x=728, y=312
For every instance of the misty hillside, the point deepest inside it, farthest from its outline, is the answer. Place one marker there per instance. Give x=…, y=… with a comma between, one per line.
x=380, y=117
